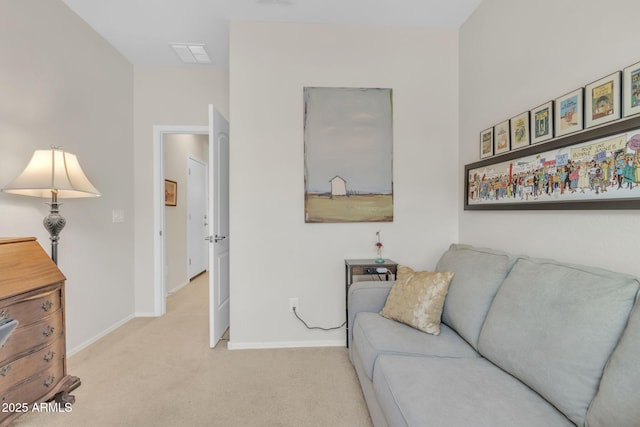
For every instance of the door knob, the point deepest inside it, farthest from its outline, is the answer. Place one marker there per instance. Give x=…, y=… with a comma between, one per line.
x=215, y=239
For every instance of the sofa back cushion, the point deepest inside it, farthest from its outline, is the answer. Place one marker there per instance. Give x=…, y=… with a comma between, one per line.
x=618, y=400
x=554, y=326
x=478, y=275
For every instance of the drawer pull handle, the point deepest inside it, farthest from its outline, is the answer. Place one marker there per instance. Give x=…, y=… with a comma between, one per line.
x=5, y=370
x=49, y=381
x=46, y=306
x=49, y=356
x=4, y=314
x=49, y=331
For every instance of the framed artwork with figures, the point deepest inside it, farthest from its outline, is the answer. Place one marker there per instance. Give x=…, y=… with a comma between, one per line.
x=594, y=169
x=502, y=137
x=519, y=130
x=542, y=123
x=631, y=90
x=569, y=113
x=602, y=100
x=486, y=143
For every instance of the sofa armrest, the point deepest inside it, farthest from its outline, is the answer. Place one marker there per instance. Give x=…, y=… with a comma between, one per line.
x=366, y=296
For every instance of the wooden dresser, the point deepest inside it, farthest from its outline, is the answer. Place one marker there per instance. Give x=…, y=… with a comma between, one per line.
x=33, y=366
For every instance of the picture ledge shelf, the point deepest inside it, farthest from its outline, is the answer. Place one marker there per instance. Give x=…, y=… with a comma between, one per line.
x=591, y=134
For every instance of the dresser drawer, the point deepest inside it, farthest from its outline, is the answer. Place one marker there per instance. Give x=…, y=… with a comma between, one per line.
x=35, y=387
x=25, y=339
x=24, y=367
x=32, y=309
x=33, y=365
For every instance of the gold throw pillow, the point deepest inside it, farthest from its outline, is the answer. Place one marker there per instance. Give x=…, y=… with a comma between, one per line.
x=417, y=298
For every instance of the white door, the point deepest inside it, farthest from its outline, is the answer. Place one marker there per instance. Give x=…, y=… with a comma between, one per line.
x=218, y=226
x=197, y=222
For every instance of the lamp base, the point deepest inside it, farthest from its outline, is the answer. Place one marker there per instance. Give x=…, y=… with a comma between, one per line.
x=54, y=223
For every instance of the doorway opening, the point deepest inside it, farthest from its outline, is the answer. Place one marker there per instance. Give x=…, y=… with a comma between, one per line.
x=171, y=269
x=216, y=220
x=186, y=217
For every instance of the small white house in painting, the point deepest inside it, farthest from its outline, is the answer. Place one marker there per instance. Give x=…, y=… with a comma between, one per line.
x=338, y=186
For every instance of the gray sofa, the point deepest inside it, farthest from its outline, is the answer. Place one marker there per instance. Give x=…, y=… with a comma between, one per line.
x=523, y=342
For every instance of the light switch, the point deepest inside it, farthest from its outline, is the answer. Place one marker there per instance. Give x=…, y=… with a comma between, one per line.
x=117, y=215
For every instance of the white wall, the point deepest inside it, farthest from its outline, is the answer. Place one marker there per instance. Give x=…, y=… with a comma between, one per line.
x=64, y=85
x=274, y=254
x=164, y=96
x=177, y=148
x=515, y=56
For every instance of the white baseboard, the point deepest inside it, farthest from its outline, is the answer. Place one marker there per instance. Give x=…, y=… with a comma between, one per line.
x=100, y=335
x=177, y=288
x=283, y=344
x=148, y=314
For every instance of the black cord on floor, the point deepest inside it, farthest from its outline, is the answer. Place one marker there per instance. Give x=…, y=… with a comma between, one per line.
x=316, y=327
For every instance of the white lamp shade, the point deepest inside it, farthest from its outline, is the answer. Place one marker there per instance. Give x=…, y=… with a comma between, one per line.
x=53, y=170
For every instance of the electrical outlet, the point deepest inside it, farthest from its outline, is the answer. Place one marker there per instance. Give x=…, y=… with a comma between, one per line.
x=293, y=303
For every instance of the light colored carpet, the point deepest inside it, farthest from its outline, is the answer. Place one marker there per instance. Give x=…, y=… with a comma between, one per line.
x=161, y=372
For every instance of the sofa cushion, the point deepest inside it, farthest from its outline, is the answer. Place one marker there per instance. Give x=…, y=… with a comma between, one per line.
x=618, y=400
x=554, y=326
x=440, y=391
x=478, y=275
x=417, y=297
x=374, y=335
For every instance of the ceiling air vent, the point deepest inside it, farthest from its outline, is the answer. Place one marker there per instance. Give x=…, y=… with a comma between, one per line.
x=191, y=53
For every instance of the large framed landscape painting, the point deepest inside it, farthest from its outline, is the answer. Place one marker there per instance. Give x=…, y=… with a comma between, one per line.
x=348, y=155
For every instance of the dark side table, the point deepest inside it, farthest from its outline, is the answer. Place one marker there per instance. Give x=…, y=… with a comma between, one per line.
x=369, y=269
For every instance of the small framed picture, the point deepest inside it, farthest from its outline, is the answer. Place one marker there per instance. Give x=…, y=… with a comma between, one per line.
x=502, y=137
x=486, y=143
x=170, y=192
x=602, y=100
x=569, y=113
x=631, y=90
x=542, y=123
x=519, y=131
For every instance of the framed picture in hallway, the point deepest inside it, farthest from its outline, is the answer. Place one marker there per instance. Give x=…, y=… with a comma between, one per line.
x=170, y=192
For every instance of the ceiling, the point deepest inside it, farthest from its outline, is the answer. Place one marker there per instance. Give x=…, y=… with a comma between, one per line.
x=142, y=29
